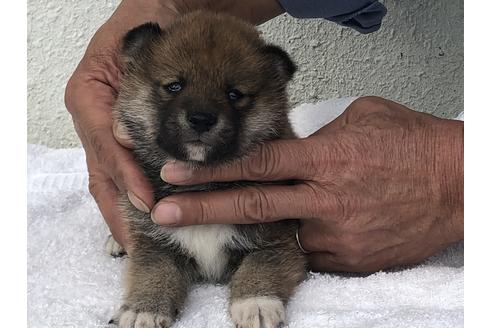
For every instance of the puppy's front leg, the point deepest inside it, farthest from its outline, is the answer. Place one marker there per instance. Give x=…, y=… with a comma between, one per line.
x=262, y=285
x=155, y=291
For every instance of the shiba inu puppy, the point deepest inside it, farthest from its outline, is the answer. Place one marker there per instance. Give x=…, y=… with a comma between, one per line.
x=205, y=90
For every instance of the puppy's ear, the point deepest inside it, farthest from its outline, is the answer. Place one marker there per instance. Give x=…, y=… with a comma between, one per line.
x=137, y=40
x=281, y=62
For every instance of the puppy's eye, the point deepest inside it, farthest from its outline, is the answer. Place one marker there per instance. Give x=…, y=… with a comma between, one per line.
x=234, y=95
x=174, y=87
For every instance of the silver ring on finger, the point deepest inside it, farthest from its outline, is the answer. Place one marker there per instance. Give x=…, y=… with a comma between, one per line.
x=299, y=242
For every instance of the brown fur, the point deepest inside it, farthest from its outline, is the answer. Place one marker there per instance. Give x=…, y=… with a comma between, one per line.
x=208, y=54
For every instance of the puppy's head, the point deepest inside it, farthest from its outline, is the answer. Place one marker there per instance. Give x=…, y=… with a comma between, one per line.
x=205, y=89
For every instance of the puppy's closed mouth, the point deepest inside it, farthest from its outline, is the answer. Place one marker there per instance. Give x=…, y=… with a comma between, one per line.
x=198, y=142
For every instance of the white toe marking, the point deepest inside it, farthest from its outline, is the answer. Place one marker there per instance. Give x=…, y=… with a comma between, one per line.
x=127, y=319
x=151, y=320
x=113, y=248
x=130, y=319
x=258, y=312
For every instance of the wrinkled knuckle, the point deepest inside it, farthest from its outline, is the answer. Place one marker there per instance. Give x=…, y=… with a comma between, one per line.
x=204, y=213
x=196, y=211
x=252, y=205
x=215, y=173
x=69, y=95
x=359, y=107
x=367, y=101
x=116, y=172
x=313, y=158
x=317, y=205
x=335, y=202
x=93, y=135
x=264, y=164
x=342, y=205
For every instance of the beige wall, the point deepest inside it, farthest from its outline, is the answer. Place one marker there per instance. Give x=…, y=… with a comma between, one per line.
x=416, y=58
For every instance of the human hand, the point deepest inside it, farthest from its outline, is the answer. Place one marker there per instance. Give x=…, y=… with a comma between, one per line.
x=380, y=186
x=89, y=97
x=93, y=87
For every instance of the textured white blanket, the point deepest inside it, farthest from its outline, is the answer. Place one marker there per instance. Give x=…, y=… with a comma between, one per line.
x=73, y=283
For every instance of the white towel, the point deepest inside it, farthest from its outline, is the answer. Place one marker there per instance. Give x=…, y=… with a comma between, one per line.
x=73, y=283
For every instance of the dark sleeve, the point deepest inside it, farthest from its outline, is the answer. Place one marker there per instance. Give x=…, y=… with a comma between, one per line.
x=364, y=16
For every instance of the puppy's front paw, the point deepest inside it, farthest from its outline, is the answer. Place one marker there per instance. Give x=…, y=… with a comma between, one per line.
x=127, y=318
x=257, y=312
x=113, y=248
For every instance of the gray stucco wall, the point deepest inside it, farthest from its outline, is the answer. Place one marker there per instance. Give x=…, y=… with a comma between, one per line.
x=416, y=58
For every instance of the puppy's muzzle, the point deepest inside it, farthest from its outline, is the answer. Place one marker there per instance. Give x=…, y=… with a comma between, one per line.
x=201, y=121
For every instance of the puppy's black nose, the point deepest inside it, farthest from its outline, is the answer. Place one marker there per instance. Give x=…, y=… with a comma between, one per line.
x=201, y=121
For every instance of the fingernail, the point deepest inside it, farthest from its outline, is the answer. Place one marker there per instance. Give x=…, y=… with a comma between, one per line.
x=166, y=213
x=119, y=132
x=137, y=202
x=175, y=172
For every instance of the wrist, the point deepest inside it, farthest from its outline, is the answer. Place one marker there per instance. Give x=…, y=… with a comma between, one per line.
x=451, y=184
x=253, y=11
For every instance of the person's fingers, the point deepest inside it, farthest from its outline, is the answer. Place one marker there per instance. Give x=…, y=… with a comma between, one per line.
x=121, y=135
x=120, y=165
x=272, y=161
x=105, y=194
x=116, y=160
x=93, y=119
x=244, y=205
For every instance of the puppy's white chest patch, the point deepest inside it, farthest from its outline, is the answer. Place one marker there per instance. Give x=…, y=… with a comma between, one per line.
x=206, y=244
